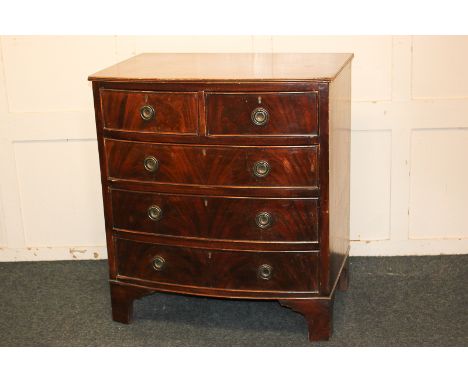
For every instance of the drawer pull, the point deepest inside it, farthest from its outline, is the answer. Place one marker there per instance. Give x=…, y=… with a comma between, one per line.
x=151, y=164
x=260, y=116
x=158, y=263
x=155, y=213
x=261, y=168
x=147, y=112
x=263, y=220
x=265, y=271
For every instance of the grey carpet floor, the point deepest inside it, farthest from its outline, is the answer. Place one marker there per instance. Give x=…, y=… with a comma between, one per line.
x=392, y=301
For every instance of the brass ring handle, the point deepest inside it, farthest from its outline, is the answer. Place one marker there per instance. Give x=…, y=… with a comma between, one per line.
x=265, y=271
x=155, y=213
x=263, y=220
x=147, y=112
x=151, y=164
x=261, y=168
x=260, y=116
x=158, y=263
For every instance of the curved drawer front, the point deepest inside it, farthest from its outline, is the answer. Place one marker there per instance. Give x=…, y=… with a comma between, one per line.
x=236, y=270
x=217, y=166
x=174, y=265
x=281, y=271
x=156, y=112
x=224, y=218
x=262, y=114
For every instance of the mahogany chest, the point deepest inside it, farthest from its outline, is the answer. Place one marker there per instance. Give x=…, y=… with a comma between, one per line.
x=227, y=175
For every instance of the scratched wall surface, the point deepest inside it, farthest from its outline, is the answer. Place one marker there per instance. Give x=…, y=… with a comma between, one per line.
x=409, y=138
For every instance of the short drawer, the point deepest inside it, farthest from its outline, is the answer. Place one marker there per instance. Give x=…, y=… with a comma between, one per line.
x=236, y=270
x=262, y=114
x=223, y=218
x=155, y=112
x=213, y=165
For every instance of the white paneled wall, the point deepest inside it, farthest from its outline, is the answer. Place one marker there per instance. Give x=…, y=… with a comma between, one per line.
x=439, y=202
x=409, y=141
x=371, y=160
x=57, y=183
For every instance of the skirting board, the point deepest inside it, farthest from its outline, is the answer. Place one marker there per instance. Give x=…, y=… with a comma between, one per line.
x=414, y=247
x=52, y=253
x=358, y=248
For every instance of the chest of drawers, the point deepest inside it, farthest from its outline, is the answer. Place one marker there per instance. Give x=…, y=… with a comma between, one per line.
x=227, y=175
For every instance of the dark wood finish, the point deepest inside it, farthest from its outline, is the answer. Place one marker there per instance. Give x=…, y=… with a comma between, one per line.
x=240, y=270
x=233, y=294
x=318, y=314
x=122, y=298
x=175, y=113
x=213, y=165
x=105, y=190
x=206, y=144
x=343, y=279
x=217, y=86
x=185, y=266
x=339, y=154
x=239, y=140
x=212, y=190
x=222, y=292
x=324, y=220
x=232, y=218
x=233, y=270
x=289, y=113
x=233, y=245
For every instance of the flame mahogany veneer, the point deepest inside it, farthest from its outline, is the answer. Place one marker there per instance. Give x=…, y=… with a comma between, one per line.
x=227, y=175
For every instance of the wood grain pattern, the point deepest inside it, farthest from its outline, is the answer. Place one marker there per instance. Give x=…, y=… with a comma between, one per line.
x=218, y=269
x=175, y=113
x=213, y=190
x=216, y=244
x=216, y=86
x=194, y=290
x=213, y=165
x=122, y=298
x=289, y=113
x=160, y=67
x=217, y=217
x=318, y=314
x=343, y=280
x=239, y=270
x=184, y=266
x=229, y=140
x=206, y=143
x=339, y=174
x=105, y=190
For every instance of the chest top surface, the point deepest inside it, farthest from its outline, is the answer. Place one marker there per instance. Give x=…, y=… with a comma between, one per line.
x=152, y=67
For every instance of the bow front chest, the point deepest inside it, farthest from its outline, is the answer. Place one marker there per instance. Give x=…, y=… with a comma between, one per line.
x=227, y=175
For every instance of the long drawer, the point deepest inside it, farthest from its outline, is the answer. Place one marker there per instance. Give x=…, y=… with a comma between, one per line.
x=213, y=165
x=237, y=270
x=223, y=218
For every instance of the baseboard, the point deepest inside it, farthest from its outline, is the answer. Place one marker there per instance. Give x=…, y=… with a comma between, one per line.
x=411, y=247
x=52, y=253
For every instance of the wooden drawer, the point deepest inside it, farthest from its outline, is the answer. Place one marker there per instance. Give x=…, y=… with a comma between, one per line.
x=166, y=113
x=223, y=218
x=288, y=114
x=237, y=270
x=185, y=266
x=215, y=165
x=281, y=271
